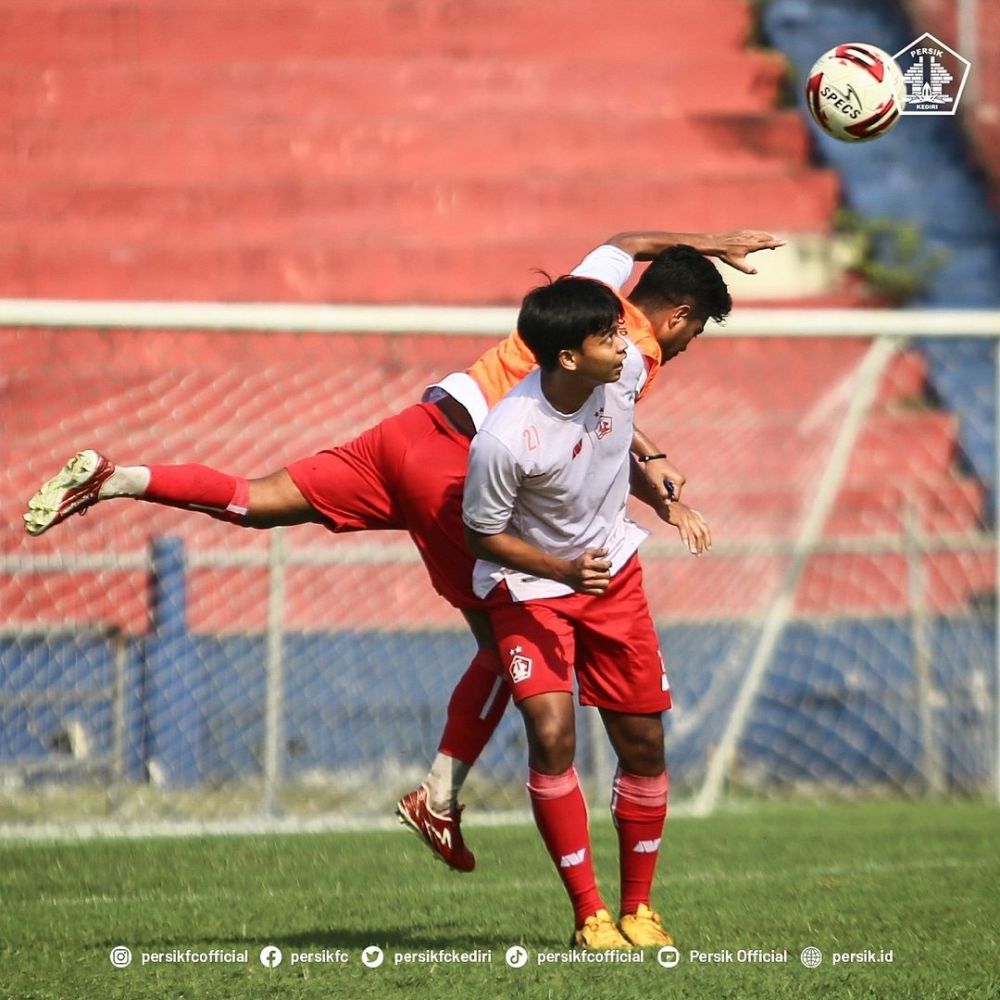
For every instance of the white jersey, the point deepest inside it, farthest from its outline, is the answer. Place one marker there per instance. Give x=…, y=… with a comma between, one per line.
x=559, y=481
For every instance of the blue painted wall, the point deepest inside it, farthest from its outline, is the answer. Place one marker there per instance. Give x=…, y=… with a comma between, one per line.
x=921, y=171
x=838, y=705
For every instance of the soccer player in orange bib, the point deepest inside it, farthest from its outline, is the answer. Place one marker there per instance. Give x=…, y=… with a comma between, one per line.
x=407, y=472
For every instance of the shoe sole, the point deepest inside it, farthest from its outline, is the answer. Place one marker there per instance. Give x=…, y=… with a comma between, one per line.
x=648, y=944
x=407, y=821
x=575, y=942
x=666, y=940
x=43, y=507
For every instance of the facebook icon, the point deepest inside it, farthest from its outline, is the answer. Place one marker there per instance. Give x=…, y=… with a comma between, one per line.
x=270, y=957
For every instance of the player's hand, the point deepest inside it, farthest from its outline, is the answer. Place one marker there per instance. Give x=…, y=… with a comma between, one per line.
x=691, y=526
x=733, y=247
x=591, y=572
x=665, y=478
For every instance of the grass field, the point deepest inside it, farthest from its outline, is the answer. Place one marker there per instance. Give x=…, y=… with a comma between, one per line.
x=919, y=880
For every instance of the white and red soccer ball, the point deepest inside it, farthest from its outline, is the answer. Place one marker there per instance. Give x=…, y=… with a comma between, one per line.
x=856, y=92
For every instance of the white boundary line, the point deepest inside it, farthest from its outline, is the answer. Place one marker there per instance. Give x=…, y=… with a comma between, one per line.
x=465, y=320
x=100, y=829
x=69, y=831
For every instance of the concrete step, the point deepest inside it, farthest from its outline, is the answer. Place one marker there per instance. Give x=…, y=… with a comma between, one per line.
x=862, y=585
x=907, y=448
x=379, y=269
x=937, y=504
x=904, y=381
x=421, y=147
x=805, y=382
x=529, y=209
x=776, y=510
x=911, y=446
x=816, y=266
x=750, y=383
x=691, y=82
x=753, y=447
x=60, y=31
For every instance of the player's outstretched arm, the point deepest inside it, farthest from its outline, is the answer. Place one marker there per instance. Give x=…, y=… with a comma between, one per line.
x=587, y=574
x=731, y=247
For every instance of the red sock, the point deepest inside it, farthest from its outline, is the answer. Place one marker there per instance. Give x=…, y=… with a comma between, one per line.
x=639, y=807
x=197, y=487
x=476, y=707
x=561, y=815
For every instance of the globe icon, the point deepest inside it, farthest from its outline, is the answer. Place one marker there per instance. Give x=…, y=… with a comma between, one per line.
x=811, y=957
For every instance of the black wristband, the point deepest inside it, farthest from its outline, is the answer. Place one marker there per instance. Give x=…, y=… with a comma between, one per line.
x=649, y=458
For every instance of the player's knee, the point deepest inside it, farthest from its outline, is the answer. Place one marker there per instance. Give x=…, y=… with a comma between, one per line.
x=644, y=757
x=550, y=760
x=552, y=744
x=638, y=741
x=640, y=750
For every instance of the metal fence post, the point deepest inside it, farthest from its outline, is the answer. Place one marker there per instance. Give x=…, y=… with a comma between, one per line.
x=174, y=685
x=996, y=570
x=930, y=764
x=119, y=703
x=274, y=681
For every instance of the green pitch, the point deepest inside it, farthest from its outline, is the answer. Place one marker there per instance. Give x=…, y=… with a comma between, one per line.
x=919, y=881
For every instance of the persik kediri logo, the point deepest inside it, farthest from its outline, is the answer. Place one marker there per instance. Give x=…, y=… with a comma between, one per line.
x=935, y=76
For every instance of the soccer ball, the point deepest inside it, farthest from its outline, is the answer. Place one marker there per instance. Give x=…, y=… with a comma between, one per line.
x=855, y=92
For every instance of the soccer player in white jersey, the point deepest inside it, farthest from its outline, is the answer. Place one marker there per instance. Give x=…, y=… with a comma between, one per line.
x=674, y=298
x=544, y=510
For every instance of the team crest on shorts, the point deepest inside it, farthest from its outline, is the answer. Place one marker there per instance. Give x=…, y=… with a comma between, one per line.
x=520, y=666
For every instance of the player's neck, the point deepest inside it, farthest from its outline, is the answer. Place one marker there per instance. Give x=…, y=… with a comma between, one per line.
x=564, y=391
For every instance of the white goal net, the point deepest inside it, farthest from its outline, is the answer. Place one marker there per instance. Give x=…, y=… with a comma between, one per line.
x=840, y=638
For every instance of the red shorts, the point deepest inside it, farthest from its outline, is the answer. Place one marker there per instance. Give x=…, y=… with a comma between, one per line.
x=407, y=472
x=608, y=640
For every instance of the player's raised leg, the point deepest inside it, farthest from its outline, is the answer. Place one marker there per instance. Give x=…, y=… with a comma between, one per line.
x=475, y=709
x=430, y=463
x=90, y=477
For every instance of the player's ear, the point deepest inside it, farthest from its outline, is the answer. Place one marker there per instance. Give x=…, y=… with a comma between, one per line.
x=567, y=359
x=679, y=314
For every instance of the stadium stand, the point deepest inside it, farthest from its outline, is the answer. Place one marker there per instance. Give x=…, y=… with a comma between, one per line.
x=386, y=152
x=925, y=175
x=375, y=152
x=942, y=18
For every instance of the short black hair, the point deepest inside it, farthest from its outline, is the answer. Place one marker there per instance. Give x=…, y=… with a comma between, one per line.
x=679, y=273
x=560, y=315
